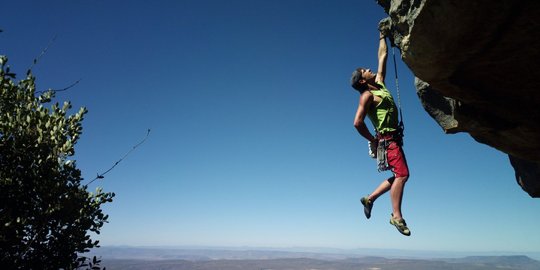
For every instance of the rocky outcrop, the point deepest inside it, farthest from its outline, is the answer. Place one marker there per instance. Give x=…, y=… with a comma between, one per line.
x=477, y=70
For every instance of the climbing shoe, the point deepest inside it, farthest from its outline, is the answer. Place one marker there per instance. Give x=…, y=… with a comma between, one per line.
x=368, y=204
x=400, y=225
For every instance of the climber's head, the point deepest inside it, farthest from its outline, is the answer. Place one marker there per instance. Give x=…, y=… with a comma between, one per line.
x=360, y=79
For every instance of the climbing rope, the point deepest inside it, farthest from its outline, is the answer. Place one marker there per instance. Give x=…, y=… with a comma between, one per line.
x=401, y=126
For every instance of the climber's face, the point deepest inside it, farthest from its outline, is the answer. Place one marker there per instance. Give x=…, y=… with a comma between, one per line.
x=367, y=74
x=361, y=77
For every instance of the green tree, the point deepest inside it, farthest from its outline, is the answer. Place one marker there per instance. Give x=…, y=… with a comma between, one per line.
x=46, y=213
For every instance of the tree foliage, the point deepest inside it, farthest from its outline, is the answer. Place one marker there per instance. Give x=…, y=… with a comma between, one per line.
x=46, y=213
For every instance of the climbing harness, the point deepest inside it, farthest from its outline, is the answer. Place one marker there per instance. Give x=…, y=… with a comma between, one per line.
x=384, y=140
x=397, y=136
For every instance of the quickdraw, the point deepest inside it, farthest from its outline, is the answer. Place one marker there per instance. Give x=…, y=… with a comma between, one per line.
x=382, y=157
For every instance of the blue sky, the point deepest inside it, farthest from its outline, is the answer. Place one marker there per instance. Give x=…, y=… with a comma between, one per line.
x=252, y=141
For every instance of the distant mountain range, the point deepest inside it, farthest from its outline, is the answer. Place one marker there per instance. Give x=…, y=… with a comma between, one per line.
x=490, y=263
x=249, y=253
x=116, y=258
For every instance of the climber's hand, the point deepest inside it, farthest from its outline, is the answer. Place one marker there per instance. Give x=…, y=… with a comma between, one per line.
x=385, y=25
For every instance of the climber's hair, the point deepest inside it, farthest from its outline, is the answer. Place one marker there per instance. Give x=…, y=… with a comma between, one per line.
x=357, y=76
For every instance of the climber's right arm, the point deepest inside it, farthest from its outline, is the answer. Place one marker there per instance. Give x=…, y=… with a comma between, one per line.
x=366, y=99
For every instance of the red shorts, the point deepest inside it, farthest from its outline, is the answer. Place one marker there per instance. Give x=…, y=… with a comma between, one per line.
x=396, y=158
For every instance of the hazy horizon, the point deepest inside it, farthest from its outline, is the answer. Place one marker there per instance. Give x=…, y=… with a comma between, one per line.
x=355, y=252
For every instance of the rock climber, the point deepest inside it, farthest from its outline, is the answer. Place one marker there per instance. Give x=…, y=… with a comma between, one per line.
x=377, y=103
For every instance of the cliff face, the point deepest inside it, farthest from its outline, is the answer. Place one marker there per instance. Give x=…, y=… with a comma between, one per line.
x=477, y=70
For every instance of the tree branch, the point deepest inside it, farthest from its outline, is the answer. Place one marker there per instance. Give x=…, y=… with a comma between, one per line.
x=60, y=90
x=102, y=175
x=41, y=54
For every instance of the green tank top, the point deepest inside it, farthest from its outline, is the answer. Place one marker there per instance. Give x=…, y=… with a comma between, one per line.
x=384, y=116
